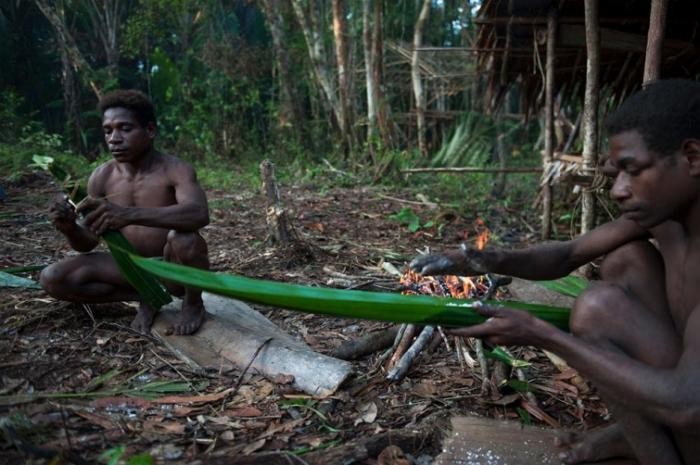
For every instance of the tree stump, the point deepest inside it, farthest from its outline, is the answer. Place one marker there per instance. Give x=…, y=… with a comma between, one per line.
x=276, y=215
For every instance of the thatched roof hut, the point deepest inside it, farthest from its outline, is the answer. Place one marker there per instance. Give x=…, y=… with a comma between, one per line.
x=511, y=41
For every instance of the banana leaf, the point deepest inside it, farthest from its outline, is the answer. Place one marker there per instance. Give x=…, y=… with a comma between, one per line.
x=381, y=306
x=570, y=286
x=151, y=291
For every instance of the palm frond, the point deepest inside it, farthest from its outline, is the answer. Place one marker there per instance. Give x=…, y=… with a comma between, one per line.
x=340, y=302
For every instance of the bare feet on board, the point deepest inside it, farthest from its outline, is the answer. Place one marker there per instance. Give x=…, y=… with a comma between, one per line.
x=188, y=321
x=144, y=319
x=593, y=446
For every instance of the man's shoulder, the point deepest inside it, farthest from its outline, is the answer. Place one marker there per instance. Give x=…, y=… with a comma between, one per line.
x=104, y=169
x=170, y=161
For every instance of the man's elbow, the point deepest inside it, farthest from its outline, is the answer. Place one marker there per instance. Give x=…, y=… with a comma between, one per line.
x=200, y=219
x=685, y=418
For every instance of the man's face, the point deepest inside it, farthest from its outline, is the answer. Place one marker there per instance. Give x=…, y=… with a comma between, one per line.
x=649, y=188
x=126, y=139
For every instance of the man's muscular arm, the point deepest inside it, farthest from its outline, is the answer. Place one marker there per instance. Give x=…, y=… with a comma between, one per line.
x=670, y=396
x=189, y=213
x=549, y=260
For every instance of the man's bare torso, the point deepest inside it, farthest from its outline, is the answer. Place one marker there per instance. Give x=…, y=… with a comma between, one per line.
x=149, y=186
x=682, y=267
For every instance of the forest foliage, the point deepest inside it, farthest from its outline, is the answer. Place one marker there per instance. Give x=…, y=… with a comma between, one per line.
x=303, y=82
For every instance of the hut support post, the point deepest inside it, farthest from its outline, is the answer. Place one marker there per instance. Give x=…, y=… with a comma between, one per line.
x=655, y=40
x=590, y=111
x=549, y=122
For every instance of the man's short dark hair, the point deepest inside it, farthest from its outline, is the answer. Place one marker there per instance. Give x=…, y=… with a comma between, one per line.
x=665, y=113
x=133, y=100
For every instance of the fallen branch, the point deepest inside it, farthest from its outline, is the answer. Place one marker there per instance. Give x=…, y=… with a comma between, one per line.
x=471, y=169
x=366, y=344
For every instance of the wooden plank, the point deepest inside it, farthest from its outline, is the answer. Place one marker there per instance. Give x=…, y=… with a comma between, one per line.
x=231, y=335
x=475, y=440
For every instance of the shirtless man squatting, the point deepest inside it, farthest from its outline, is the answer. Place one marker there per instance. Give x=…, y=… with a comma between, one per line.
x=635, y=333
x=153, y=198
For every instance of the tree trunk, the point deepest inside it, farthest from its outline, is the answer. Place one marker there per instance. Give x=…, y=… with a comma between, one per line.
x=309, y=26
x=70, y=102
x=369, y=73
x=655, y=40
x=105, y=16
x=341, y=56
x=387, y=127
x=66, y=41
x=418, y=90
x=288, y=111
x=549, y=122
x=590, y=112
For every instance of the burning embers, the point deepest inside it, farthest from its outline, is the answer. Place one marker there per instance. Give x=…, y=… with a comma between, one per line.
x=458, y=287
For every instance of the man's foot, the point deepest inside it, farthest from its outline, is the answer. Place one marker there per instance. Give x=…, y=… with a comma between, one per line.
x=144, y=319
x=189, y=320
x=596, y=445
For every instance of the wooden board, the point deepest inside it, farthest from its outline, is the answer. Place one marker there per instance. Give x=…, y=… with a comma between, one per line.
x=232, y=333
x=484, y=441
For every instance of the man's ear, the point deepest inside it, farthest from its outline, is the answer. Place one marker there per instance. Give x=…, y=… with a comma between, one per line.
x=690, y=150
x=151, y=129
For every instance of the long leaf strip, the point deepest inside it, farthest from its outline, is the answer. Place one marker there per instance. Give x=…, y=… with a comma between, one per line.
x=151, y=291
x=342, y=303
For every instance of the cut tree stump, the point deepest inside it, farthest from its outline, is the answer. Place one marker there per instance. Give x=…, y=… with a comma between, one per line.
x=231, y=335
x=476, y=440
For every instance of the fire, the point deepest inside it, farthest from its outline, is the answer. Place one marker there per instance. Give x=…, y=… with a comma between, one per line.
x=458, y=287
x=483, y=237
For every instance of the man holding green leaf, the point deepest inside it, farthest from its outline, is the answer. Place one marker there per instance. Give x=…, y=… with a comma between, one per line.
x=151, y=197
x=636, y=333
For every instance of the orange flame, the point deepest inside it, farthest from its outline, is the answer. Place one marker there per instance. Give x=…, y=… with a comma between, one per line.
x=484, y=234
x=458, y=287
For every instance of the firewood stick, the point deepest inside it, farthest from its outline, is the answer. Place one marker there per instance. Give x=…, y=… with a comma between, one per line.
x=405, y=342
x=401, y=368
x=399, y=335
x=483, y=366
x=366, y=344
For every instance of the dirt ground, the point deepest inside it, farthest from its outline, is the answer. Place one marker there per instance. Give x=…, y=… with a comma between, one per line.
x=77, y=379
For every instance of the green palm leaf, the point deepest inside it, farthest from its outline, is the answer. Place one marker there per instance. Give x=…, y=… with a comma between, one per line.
x=570, y=286
x=151, y=291
x=342, y=303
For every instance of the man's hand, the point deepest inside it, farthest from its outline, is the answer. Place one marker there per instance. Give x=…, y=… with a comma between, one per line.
x=101, y=215
x=62, y=213
x=506, y=326
x=464, y=261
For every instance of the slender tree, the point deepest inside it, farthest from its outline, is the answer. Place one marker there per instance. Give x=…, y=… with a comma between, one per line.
x=308, y=19
x=418, y=90
x=288, y=114
x=341, y=57
x=590, y=111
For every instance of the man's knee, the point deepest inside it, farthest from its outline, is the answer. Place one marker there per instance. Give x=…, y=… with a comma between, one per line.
x=595, y=312
x=187, y=247
x=53, y=280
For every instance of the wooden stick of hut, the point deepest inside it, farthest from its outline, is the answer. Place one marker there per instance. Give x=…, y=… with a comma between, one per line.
x=655, y=40
x=549, y=120
x=590, y=111
x=276, y=216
